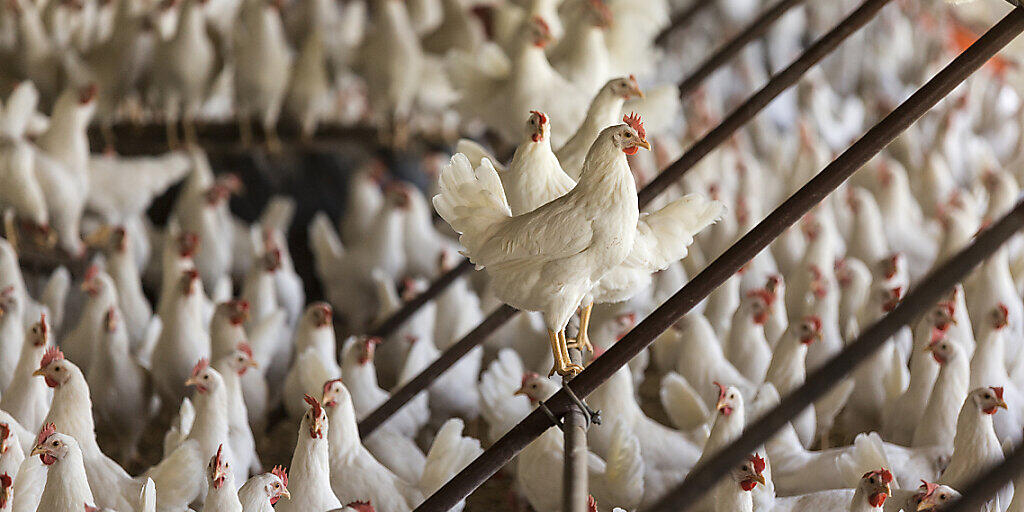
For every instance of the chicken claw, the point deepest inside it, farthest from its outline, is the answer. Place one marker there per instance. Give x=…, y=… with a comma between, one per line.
x=582, y=340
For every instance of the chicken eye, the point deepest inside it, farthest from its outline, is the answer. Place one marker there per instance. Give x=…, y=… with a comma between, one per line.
x=56, y=443
x=277, y=485
x=943, y=497
x=206, y=377
x=987, y=396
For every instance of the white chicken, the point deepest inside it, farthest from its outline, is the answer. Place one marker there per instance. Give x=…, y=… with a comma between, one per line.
x=262, y=65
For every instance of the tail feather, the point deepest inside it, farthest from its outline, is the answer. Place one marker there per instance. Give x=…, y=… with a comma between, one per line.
x=147, y=500
x=179, y=477
x=325, y=244
x=450, y=453
x=868, y=454
x=471, y=201
x=684, y=406
x=499, y=405
x=476, y=153
x=663, y=236
x=624, y=473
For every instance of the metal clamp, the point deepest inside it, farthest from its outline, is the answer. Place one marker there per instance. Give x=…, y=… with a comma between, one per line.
x=592, y=416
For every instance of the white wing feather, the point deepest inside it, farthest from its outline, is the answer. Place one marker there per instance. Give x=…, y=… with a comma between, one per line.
x=663, y=236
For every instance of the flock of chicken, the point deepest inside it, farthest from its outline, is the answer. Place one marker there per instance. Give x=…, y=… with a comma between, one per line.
x=198, y=333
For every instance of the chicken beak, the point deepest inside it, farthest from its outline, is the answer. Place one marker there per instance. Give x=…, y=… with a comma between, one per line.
x=760, y=479
x=637, y=92
x=285, y=493
x=219, y=473
x=644, y=144
x=1002, y=403
x=38, y=450
x=39, y=372
x=928, y=348
x=252, y=363
x=520, y=391
x=925, y=505
x=191, y=381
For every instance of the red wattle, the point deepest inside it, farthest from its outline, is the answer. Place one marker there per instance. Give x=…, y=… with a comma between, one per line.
x=990, y=410
x=748, y=485
x=50, y=382
x=535, y=137
x=726, y=410
x=47, y=459
x=631, y=150
x=877, y=499
x=273, y=501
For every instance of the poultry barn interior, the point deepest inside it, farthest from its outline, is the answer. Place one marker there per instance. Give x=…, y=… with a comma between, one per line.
x=511, y=255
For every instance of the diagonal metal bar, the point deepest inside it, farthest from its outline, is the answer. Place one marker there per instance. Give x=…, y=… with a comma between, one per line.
x=694, y=155
x=681, y=19
x=932, y=288
x=502, y=451
x=755, y=30
x=389, y=324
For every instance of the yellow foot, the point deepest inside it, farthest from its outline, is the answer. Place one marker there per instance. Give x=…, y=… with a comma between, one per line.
x=570, y=370
x=581, y=345
x=556, y=351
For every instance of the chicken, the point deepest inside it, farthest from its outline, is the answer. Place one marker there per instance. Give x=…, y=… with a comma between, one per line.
x=528, y=82
x=937, y=426
x=747, y=346
x=211, y=428
x=367, y=478
x=581, y=56
x=975, y=446
x=11, y=455
x=787, y=369
x=357, y=366
x=118, y=200
x=735, y=495
x=261, y=492
x=222, y=495
x=67, y=488
x=262, y=64
x=121, y=389
x=393, y=65
x=232, y=369
x=72, y=409
x=310, y=479
x=183, y=340
x=12, y=335
x=6, y=492
x=20, y=189
x=27, y=399
x=101, y=295
x=937, y=498
x=188, y=66
x=316, y=351
x=514, y=249
x=124, y=270
x=307, y=97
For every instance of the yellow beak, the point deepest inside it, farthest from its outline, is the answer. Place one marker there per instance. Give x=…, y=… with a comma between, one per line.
x=191, y=382
x=925, y=506
x=252, y=363
x=1002, y=403
x=38, y=450
x=39, y=372
x=285, y=493
x=644, y=144
x=760, y=479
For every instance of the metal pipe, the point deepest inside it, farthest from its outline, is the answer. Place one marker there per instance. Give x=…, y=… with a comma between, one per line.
x=408, y=308
x=681, y=19
x=755, y=30
x=503, y=450
x=676, y=171
x=574, y=476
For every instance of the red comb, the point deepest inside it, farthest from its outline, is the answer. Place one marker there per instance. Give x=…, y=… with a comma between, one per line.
x=929, y=488
x=883, y=473
x=815, y=320
x=282, y=473
x=48, y=430
x=998, y=390
x=42, y=324
x=90, y=273
x=759, y=463
x=634, y=122
x=541, y=23
x=200, y=366
x=5, y=430
x=90, y=508
x=245, y=348
x=361, y=506
x=6, y=480
x=543, y=118
x=218, y=457
x=327, y=385
x=315, y=404
x=591, y=503
x=52, y=354
x=721, y=390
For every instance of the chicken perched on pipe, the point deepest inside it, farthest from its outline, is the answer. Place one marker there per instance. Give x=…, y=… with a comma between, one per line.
x=549, y=259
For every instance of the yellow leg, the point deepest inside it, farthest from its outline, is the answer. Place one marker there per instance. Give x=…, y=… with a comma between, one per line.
x=568, y=369
x=582, y=340
x=556, y=352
